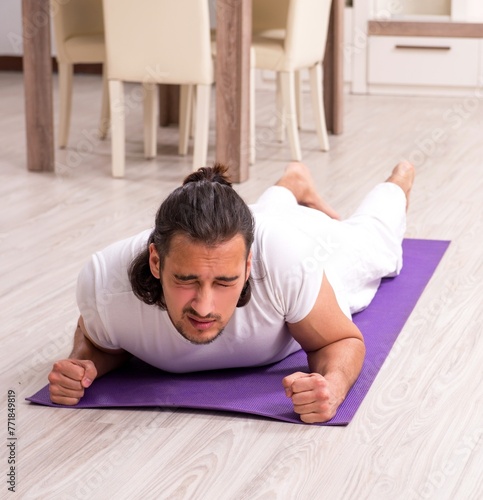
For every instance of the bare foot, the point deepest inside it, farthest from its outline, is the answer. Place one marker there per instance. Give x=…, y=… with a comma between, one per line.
x=297, y=178
x=403, y=176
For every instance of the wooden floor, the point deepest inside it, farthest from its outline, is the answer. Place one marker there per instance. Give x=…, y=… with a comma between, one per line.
x=419, y=431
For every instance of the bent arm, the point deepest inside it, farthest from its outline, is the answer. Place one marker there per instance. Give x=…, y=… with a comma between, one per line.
x=70, y=377
x=104, y=360
x=335, y=352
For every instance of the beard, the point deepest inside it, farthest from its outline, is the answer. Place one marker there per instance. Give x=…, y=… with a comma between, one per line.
x=194, y=339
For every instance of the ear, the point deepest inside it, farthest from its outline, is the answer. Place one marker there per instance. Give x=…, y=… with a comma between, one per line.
x=154, y=261
x=248, y=266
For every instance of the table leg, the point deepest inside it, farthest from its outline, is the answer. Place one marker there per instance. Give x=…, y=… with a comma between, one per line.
x=333, y=69
x=37, y=68
x=233, y=23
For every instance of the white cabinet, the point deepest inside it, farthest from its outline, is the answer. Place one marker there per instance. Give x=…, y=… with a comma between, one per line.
x=417, y=48
x=422, y=64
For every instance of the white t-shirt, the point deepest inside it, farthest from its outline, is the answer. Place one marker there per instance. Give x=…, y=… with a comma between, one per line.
x=293, y=247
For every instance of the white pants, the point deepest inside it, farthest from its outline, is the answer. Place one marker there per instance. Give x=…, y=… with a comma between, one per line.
x=356, y=252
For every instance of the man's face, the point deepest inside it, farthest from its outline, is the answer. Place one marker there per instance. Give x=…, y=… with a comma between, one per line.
x=201, y=284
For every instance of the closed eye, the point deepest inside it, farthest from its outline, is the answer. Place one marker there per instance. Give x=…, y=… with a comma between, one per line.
x=190, y=279
x=225, y=285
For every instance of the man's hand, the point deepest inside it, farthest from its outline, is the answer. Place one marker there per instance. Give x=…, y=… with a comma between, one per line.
x=68, y=380
x=312, y=395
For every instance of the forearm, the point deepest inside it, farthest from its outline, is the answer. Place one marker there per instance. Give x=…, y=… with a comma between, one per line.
x=103, y=360
x=340, y=363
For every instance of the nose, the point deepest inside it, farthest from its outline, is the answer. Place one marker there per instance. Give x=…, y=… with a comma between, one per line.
x=203, y=302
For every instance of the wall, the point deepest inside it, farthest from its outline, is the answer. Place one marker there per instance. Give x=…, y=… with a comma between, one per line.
x=11, y=42
x=11, y=27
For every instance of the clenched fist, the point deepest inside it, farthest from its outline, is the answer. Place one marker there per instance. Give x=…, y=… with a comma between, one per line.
x=312, y=395
x=68, y=380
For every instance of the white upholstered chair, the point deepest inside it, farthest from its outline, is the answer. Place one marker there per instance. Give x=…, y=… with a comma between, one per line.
x=79, y=38
x=151, y=42
x=269, y=19
x=301, y=45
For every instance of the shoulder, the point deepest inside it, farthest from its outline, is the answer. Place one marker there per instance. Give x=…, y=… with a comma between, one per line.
x=107, y=268
x=284, y=265
x=125, y=248
x=280, y=240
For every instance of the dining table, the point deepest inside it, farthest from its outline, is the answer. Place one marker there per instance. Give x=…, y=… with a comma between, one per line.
x=233, y=37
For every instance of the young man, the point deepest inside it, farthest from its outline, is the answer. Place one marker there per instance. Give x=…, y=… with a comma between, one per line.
x=218, y=284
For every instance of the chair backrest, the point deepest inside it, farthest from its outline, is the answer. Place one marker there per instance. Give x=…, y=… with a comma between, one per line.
x=158, y=41
x=268, y=15
x=306, y=35
x=75, y=18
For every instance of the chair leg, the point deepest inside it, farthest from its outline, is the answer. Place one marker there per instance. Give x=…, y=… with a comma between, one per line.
x=104, y=124
x=202, y=117
x=288, y=93
x=116, y=99
x=299, y=98
x=192, y=119
x=281, y=111
x=151, y=107
x=185, y=117
x=318, y=105
x=66, y=71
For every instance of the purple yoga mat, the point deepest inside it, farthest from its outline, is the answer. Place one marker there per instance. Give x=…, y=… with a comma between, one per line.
x=259, y=390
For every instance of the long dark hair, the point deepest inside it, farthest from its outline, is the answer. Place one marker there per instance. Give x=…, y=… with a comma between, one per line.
x=207, y=209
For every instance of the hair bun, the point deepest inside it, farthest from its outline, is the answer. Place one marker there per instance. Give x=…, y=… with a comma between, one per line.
x=217, y=173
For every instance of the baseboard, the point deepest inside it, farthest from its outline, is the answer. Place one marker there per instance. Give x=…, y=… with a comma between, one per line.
x=15, y=63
